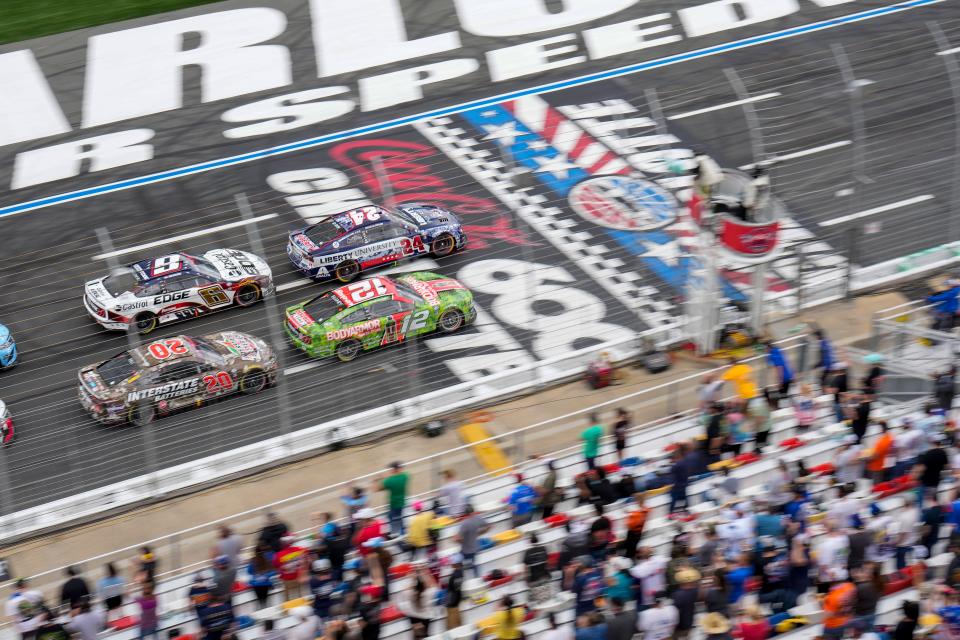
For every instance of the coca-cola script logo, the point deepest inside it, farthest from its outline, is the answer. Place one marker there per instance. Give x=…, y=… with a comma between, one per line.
x=405, y=167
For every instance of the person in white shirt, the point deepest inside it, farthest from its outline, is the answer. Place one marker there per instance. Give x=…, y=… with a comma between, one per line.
x=651, y=572
x=451, y=493
x=908, y=444
x=907, y=526
x=22, y=608
x=844, y=508
x=849, y=464
x=830, y=554
x=659, y=621
x=308, y=625
x=418, y=602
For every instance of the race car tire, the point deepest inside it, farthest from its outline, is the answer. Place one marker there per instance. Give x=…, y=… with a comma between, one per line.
x=145, y=322
x=443, y=245
x=253, y=381
x=142, y=414
x=247, y=295
x=347, y=271
x=450, y=320
x=348, y=350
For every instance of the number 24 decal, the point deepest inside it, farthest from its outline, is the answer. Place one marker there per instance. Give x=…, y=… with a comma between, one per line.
x=409, y=246
x=221, y=380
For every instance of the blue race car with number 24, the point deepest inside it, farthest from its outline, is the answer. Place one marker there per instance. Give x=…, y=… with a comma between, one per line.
x=343, y=245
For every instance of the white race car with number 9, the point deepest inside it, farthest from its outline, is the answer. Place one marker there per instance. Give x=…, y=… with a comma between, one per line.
x=175, y=287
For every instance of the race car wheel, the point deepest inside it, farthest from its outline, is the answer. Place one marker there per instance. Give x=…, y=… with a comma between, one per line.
x=348, y=350
x=253, y=381
x=247, y=295
x=142, y=414
x=442, y=245
x=145, y=323
x=347, y=271
x=450, y=320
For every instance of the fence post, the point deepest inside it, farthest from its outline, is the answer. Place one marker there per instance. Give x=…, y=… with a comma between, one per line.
x=953, y=77
x=273, y=314
x=801, y=257
x=133, y=341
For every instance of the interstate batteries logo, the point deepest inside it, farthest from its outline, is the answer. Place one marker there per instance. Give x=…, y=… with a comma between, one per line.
x=626, y=203
x=167, y=391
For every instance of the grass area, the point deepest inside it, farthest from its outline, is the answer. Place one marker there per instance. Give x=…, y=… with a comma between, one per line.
x=23, y=19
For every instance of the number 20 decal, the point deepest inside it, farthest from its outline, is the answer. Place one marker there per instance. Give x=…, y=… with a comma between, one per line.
x=219, y=381
x=409, y=246
x=163, y=350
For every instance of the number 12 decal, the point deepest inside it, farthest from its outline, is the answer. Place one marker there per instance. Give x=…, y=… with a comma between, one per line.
x=221, y=381
x=415, y=321
x=410, y=246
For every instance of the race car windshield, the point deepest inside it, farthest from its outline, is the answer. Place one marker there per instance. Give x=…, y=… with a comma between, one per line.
x=117, y=369
x=323, y=232
x=323, y=307
x=205, y=268
x=407, y=292
x=210, y=352
x=120, y=282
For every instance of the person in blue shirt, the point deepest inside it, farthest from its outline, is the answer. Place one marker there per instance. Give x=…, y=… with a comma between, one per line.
x=620, y=584
x=523, y=502
x=591, y=627
x=826, y=359
x=778, y=360
x=947, y=303
x=262, y=573
x=737, y=579
x=326, y=591
x=586, y=581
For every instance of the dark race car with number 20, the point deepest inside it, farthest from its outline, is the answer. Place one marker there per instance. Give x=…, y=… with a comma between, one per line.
x=343, y=245
x=176, y=373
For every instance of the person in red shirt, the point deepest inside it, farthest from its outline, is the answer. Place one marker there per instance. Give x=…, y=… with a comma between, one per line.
x=289, y=562
x=755, y=625
x=368, y=528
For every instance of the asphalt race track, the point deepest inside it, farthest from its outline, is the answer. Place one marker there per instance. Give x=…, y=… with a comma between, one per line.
x=546, y=278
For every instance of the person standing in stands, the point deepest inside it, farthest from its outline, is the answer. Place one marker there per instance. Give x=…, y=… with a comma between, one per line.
x=838, y=609
x=930, y=466
x=549, y=494
x=882, y=448
x=218, y=621
x=418, y=533
x=228, y=544
x=825, y=357
x=536, y=562
x=522, y=502
x=395, y=484
x=945, y=388
x=507, y=620
x=261, y=573
x=946, y=302
x=778, y=359
x=591, y=440
x=147, y=603
x=659, y=621
x=679, y=478
x=468, y=536
x=454, y=592
x=224, y=577
x=273, y=532
x=110, y=588
x=452, y=495
x=619, y=431
x=75, y=590
x=288, y=562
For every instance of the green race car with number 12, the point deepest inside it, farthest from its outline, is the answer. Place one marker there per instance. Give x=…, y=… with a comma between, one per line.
x=377, y=312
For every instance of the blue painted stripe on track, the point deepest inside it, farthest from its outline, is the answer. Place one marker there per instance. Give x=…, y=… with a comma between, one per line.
x=390, y=124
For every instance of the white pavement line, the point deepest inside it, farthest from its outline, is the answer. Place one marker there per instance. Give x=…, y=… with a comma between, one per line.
x=411, y=265
x=806, y=152
x=948, y=52
x=875, y=210
x=725, y=105
x=185, y=236
x=289, y=371
x=302, y=282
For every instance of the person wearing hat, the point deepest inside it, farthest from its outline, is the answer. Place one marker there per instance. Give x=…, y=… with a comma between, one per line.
x=620, y=582
x=753, y=625
x=324, y=588
x=307, y=624
x=685, y=599
x=659, y=620
x=289, y=563
x=368, y=528
x=715, y=626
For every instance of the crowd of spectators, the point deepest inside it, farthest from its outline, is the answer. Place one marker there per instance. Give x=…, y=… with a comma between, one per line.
x=754, y=567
